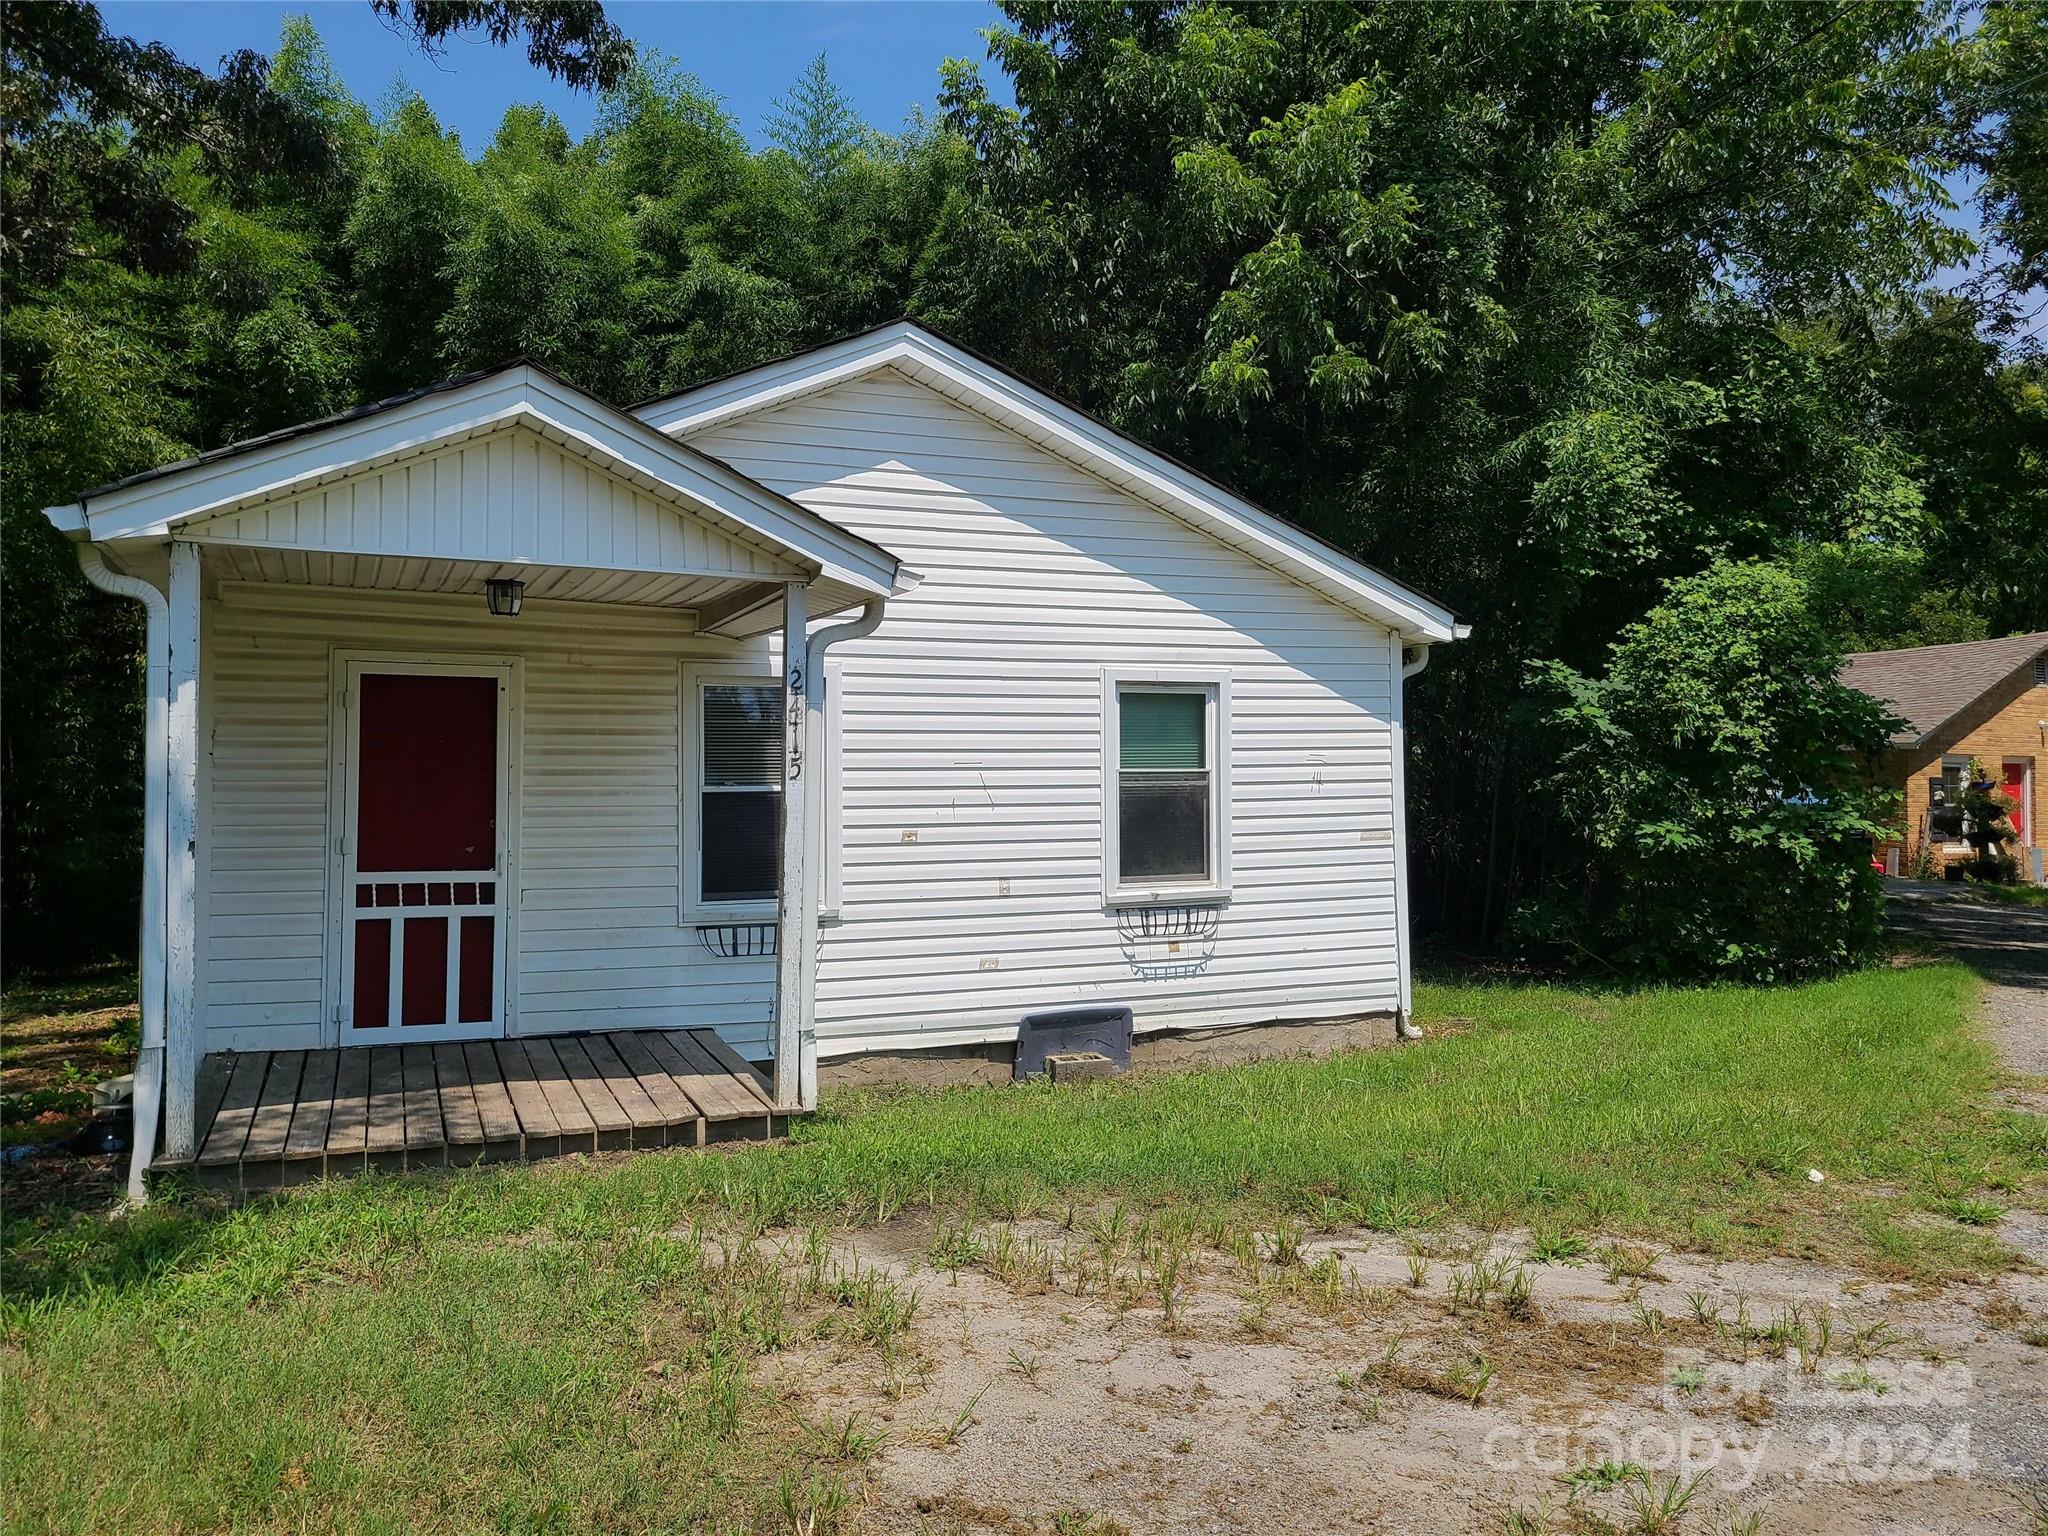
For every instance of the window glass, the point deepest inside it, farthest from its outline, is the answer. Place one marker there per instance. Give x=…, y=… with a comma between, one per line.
x=1164, y=794
x=741, y=795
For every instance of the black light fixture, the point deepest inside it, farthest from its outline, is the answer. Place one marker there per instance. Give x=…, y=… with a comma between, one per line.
x=504, y=595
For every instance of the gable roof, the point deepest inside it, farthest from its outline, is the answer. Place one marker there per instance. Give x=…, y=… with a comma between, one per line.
x=523, y=395
x=996, y=392
x=1929, y=685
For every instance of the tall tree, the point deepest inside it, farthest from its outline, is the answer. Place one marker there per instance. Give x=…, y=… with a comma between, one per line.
x=573, y=40
x=816, y=125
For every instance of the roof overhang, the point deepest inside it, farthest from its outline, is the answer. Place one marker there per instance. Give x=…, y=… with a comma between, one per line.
x=156, y=505
x=994, y=392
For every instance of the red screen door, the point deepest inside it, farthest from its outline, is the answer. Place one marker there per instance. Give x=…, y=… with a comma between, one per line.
x=2016, y=792
x=424, y=886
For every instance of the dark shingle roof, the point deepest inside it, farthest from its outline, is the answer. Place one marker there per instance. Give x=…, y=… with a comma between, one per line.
x=1931, y=684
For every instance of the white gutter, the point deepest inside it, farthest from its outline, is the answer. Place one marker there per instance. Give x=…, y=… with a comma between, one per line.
x=814, y=865
x=149, y=1061
x=1404, y=1025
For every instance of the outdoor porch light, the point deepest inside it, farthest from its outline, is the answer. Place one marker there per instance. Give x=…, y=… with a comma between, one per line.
x=504, y=595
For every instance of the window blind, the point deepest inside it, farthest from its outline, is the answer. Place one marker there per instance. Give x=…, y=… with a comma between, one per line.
x=1163, y=733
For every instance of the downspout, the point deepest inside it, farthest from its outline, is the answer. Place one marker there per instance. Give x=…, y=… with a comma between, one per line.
x=149, y=1061
x=814, y=865
x=1404, y=1024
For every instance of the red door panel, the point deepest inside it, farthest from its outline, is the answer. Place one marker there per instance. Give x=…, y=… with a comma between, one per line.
x=2015, y=786
x=427, y=773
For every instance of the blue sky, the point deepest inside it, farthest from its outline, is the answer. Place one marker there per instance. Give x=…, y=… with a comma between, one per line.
x=884, y=54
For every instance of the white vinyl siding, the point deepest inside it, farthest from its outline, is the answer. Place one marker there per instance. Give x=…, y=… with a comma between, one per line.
x=971, y=755
x=508, y=498
x=598, y=942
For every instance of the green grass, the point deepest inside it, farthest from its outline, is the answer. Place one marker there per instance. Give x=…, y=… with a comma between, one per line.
x=2011, y=895
x=553, y=1348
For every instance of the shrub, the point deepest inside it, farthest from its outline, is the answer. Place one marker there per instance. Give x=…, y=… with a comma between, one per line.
x=1718, y=780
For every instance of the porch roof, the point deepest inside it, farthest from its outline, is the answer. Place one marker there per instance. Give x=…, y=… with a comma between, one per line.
x=224, y=498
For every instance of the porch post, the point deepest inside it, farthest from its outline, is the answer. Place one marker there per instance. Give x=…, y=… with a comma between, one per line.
x=182, y=1045
x=793, y=935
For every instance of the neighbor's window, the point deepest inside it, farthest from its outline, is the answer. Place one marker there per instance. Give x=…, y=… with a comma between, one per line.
x=740, y=790
x=1166, y=786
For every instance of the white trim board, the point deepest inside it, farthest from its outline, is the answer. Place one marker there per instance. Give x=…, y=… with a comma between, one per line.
x=1109, y=455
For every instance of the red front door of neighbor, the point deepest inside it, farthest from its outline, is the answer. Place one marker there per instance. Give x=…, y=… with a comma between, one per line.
x=424, y=883
x=2016, y=792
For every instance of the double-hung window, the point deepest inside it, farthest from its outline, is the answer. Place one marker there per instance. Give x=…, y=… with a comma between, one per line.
x=736, y=850
x=1167, y=786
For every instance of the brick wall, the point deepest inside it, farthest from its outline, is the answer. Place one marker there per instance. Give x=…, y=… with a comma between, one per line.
x=2002, y=726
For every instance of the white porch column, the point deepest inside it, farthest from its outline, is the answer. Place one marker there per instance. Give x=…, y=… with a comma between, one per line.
x=182, y=1044
x=794, y=934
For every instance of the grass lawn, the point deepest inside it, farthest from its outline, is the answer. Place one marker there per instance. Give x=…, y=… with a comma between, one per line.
x=2010, y=895
x=575, y=1346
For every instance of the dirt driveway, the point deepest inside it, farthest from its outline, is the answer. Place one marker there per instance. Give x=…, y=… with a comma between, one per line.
x=1087, y=1373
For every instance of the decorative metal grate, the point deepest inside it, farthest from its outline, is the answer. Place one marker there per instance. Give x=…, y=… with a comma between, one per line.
x=1168, y=943
x=737, y=941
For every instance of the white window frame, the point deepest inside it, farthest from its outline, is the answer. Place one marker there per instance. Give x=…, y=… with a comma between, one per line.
x=692, y=908
x=1216, y=685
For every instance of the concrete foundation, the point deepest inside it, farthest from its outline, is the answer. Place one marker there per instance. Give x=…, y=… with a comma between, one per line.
x=1164, y=1050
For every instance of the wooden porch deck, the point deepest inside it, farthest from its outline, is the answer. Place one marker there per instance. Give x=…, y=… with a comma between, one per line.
x=268, y=1118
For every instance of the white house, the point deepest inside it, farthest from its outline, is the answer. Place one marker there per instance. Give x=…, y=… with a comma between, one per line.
x=493, y=713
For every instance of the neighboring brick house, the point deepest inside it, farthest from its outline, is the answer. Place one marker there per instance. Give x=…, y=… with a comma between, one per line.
x=1985, y=700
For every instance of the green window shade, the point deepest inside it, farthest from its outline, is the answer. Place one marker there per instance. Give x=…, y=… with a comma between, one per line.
x=1162, y=733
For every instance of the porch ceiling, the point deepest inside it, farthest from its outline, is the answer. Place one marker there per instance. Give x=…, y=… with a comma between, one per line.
x=735, y=606
x=387, y=573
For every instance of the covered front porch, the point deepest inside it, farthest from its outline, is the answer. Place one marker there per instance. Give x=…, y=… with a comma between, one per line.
x=435, y=693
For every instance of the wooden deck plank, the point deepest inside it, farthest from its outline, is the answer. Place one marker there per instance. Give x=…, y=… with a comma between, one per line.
x=308, y=1134
x=386, y=1102
x=536, y=1119
x=671, y=1101
x=640, y=1108
x=237, y=1108
x=214, y=1072
x=494, y=1109
x=704, y=1079
x=423, y=1127
x=563, y=1100
x=272, y=1121
x=742, y=1070
x=459, y=1115
x=591, y=1088
x=349, y=1123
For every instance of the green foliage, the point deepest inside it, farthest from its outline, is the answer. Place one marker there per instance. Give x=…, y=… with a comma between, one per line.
x=816, y=125
x=1717, y=779
x=572, y=40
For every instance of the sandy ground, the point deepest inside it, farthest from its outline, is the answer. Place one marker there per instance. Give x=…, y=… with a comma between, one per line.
x=1268, y=1403
x=1332, y=1392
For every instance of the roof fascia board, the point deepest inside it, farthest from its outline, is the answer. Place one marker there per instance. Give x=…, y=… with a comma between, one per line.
x=520, y=396
x=1099, y=449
